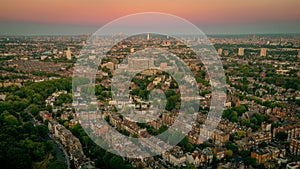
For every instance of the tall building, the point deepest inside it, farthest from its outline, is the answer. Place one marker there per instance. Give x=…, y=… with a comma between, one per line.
x=241, y=51
x=263, y=52
x=68, y=54
x=220, y=51
x=54, y=51
x=131, y=50
x=295, y=146
x=148, y=36
x=109, y=65
x=43, y=57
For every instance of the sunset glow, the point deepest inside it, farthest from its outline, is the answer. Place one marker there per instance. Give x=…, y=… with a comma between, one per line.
x=199, y=12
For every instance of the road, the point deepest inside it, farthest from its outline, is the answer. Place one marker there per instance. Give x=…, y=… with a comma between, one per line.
x=61, y=153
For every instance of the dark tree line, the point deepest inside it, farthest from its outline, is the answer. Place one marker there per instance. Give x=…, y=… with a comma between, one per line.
x=22, y=143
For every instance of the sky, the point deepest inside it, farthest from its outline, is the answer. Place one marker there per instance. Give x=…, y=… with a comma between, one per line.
x=86, y=16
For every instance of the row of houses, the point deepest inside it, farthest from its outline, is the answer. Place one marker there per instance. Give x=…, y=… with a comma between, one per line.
x=269, y=153
x=292, y=131
x=71, y=143
x=198, y=158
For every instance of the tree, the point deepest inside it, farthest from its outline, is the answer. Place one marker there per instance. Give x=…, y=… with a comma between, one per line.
x=245, y=153
x=260, y=118
x=85, y=141
x=240, y=109
x=162, y=129
x=249, y=161
x=245, y=122
x=171, y=103
x=234, y=117
x=37, y=99
x=281, y=135
x=240, y=134
x=11, y=120
x=106, y=159
x=116, y=162
x=263, y=145
x=29, y=128
x=56, y=165
x=230, y=115
x=33, y=109
x=49, y=108
x=66, y=124
x=253, y=120
x=17, y=159
x=231, y=146
x=229, y=153
x=280, y=81
x=98, y=90
x=107, y=119
x=21, y=142
x=42, y=130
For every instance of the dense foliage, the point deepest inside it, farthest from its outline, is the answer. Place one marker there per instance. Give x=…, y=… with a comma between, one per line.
x=21, y=142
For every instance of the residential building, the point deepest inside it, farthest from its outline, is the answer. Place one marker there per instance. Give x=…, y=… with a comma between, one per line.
x=266, y=154
x=293, y=131
x=263, y=52
x=295, y=146
x=241, y=52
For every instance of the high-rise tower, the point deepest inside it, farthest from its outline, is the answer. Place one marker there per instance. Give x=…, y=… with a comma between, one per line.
x=263, y=52
x=241, y=51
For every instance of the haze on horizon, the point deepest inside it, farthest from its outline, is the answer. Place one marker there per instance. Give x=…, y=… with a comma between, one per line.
x=55, y=17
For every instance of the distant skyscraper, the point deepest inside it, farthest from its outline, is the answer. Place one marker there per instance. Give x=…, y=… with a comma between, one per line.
x=220, y=51
x=54, y=51
x=131, y=50
x=43, y=57
x=241, y=52
x=263, y=52
x=109, y=65
x=148, y=36
x=68, y=54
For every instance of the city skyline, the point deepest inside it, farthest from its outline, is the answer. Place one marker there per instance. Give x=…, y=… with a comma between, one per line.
x=149, y=84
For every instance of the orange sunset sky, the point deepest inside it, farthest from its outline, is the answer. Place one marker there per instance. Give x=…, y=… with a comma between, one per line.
x=213, y=16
